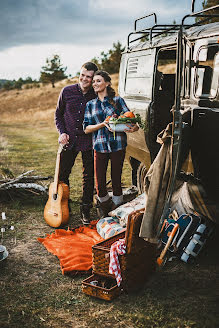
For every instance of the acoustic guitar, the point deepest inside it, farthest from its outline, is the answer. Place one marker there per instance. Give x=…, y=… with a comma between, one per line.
x=56, y=211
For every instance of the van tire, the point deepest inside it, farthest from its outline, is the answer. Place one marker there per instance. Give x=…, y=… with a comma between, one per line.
x=141, y=174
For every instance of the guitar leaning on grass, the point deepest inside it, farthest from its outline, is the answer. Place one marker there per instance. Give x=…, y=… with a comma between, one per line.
x=56, y=211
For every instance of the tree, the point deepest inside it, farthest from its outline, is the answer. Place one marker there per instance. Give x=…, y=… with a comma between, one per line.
x=8, y=85
x=110, y=61
x=207, y=4
x=18, y=84
x=28, y=80
x=53, y=71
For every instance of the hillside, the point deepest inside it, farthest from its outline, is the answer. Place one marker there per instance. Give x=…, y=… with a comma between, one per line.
x=36, y=104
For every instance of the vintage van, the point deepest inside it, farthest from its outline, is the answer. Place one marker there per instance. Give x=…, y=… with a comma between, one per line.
x=170, y=73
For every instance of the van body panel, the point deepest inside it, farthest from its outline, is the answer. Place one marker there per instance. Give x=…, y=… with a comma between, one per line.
x=136, y=78
x=174, y=79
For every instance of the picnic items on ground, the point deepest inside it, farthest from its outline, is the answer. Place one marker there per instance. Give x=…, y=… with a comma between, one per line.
x=190, y=237
x=160, y=259
x=101, y=287
x=108, y=227
x=73, y=247
x=121, y=260
x=116, y=249
x=3, y=253
x=56, y=211
x=4, y=226
x=122, y=212
x=196, y=243
x=7, y=231
x=136, y=265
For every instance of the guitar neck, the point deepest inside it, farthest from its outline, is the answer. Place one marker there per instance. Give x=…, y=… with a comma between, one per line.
x=56, y=176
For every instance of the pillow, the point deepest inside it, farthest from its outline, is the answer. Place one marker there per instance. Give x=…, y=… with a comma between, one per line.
x=108, y=227
x=122, y=212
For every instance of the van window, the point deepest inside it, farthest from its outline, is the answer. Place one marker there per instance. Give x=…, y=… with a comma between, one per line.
x=187, y=71
x=215, y=77
x=166, y=67
x=207, y=72
x=139, y=75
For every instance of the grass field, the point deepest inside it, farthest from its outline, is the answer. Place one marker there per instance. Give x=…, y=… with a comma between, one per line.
x=33, y=291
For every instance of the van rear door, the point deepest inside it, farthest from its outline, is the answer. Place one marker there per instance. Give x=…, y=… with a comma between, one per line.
x=135, y=86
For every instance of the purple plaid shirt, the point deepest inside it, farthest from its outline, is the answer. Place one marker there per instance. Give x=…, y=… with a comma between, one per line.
x=69, y=116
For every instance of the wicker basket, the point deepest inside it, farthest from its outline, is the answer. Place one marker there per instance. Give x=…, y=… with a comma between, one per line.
x=104, y=293
x=138, y=262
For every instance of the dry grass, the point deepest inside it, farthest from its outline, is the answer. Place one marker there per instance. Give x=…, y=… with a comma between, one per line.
x=36, y=104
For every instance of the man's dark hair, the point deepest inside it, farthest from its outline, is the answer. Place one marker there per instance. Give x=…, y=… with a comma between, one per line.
x=90, y=66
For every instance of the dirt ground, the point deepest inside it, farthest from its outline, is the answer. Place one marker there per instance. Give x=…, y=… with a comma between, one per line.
x=34, y=293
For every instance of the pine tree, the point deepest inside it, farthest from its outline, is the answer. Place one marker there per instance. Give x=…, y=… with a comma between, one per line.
x=207, y=4
x=110, y=61
x=53, y=71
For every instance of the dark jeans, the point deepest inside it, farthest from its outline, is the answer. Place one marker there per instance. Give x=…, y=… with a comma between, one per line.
x=134, y=164
x=100, y=166
x=67, y=161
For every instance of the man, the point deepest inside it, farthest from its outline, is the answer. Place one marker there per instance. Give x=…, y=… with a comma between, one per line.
x=69, y=117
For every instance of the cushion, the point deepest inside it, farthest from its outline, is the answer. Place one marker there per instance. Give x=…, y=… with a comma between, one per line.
x=122, y=212
x=108, y=227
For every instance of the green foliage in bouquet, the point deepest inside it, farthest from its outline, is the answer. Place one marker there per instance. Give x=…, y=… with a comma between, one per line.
x=142, y=123
x=131, y=120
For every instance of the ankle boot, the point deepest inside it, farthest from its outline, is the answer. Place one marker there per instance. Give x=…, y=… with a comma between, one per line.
x=103, y=208
x=85, y=213
x=114, y=206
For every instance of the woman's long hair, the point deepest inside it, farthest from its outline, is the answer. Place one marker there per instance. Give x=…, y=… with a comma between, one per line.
x=110, y=91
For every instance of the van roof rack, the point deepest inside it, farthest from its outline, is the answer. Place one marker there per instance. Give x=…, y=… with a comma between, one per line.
x=157, y=30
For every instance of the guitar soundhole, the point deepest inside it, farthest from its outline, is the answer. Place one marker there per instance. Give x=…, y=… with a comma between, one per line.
x=55, y=196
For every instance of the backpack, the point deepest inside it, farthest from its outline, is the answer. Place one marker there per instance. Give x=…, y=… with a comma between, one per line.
x=189, y=238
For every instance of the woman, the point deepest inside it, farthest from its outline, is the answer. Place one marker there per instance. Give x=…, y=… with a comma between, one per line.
x=106, y=146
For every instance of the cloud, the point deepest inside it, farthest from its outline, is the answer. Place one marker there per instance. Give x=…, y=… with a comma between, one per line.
x=77, y=30
x=76, y=22
x=46, y=21
x=132, y=9
x=27, y=60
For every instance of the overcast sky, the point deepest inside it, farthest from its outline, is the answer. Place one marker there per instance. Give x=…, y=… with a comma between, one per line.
x=77, y=30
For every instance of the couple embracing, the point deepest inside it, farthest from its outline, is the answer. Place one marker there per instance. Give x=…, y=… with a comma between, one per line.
x=80, y=118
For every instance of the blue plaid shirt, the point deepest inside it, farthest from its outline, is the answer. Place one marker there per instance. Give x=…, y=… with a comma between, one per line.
x=96, y=112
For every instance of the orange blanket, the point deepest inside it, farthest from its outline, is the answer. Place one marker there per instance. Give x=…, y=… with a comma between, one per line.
x=73, y=247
